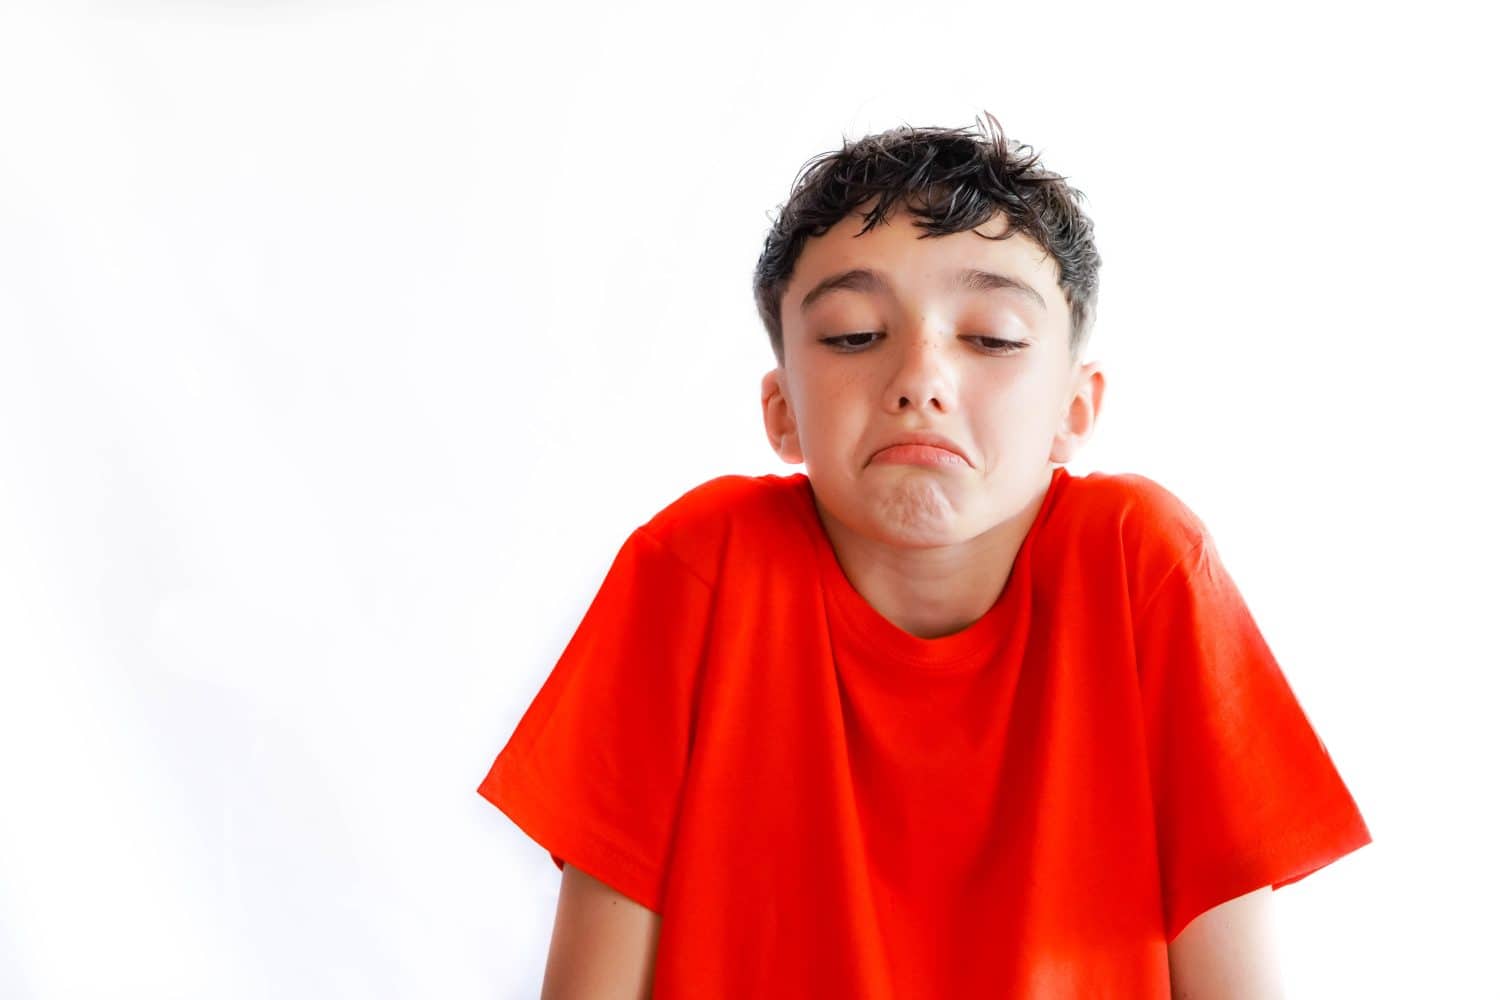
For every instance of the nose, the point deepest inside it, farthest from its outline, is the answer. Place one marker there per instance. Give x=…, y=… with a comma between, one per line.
x=923, y=377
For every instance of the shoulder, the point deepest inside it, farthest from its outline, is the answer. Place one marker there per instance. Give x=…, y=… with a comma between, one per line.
x=1140, y=508
x=699, y=526
x=1150, y=526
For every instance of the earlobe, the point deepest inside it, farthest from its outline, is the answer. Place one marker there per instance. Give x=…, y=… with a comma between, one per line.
x=781, y=423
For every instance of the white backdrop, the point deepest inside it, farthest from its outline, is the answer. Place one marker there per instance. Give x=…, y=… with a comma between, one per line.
x=342, y=344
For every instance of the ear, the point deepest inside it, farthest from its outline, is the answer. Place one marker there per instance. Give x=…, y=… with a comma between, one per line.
x=1080, y=412
x=781, y=422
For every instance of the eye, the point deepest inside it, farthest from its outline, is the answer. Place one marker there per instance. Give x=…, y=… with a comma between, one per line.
x=841, y=342
x=1000, y=346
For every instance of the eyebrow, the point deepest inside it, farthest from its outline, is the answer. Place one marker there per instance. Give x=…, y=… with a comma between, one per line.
x=863, y=279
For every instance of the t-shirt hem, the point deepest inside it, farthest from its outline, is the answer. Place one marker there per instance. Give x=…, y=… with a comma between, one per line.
x=1309, y=853
x=521, y=794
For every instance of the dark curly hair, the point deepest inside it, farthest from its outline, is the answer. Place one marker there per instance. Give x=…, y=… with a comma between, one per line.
x=951, y=180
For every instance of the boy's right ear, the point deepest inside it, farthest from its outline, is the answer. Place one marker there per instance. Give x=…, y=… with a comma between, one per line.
x=781, y=422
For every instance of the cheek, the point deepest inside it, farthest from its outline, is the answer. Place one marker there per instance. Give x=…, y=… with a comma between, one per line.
x=1012, y=413
x=835, y=393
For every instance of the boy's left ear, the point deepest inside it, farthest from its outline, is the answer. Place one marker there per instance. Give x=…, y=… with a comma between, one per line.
x=1080, y=412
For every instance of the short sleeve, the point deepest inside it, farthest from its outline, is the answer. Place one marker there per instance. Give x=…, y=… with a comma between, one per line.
x=1244, y=791
x=594, y=769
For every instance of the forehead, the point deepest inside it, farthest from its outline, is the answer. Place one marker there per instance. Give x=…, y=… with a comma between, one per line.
x=918, y=264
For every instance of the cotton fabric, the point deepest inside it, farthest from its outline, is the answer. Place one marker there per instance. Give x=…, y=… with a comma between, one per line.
x=820, y=804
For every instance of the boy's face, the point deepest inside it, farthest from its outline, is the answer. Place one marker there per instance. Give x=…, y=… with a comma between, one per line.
x=1011, y=410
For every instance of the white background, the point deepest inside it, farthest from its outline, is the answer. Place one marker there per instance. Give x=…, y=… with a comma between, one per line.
x=342, y=344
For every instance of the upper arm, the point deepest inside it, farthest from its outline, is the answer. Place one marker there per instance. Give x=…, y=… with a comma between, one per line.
x=603, y=943
x=1228, y=953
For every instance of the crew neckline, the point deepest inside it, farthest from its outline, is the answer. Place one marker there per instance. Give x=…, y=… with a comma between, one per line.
x=877, y=635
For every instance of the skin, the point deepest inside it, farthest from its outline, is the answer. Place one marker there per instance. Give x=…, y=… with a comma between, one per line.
x=930, y=548
x=1228, y=953
x=603, y=943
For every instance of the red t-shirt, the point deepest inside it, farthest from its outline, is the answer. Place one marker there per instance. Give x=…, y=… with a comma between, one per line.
x=820, y=804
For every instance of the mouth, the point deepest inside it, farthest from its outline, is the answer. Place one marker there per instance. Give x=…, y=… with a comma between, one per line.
x=921, y=449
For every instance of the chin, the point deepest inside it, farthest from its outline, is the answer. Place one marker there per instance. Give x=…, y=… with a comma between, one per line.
x=913, y=514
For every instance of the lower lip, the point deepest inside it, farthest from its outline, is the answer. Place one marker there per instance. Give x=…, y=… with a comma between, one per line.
x=917, y=454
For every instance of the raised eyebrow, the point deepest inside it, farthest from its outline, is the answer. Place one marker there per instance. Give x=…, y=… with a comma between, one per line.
x=863, y=279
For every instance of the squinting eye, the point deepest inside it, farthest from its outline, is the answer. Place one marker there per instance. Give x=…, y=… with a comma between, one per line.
x=1001, y=346
x=843, y=340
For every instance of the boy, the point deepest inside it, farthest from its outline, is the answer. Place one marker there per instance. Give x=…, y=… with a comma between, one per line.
x=935, y=718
